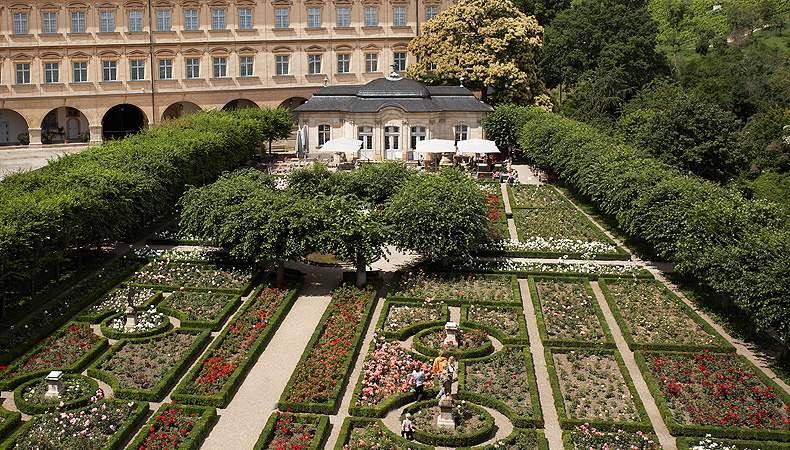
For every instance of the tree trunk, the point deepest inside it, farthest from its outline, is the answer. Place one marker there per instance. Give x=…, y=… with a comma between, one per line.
x=280, y=272
x=362, y=274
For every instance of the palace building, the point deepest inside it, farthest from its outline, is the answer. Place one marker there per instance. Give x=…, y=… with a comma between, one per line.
x=75, y=69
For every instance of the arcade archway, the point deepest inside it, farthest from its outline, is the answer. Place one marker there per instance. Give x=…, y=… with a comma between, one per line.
x=180, y=109
x=239, y=103
x=122, y=120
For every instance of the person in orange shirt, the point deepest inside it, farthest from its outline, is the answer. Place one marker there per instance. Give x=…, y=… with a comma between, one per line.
x=438, y=367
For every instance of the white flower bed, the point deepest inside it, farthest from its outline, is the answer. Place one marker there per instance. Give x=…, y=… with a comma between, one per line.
x=146, y=320
x=473, y=265
x=119, y=300
x=175, y=254
x=175, y=236
x=708, y=444
x=539, y=244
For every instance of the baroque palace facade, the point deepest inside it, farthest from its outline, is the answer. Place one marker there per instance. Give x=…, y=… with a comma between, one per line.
x=69, y=68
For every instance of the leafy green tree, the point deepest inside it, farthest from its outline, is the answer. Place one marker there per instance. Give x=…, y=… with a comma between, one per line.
x=543, y=10
x=503, y=125
x=278, y=125
x=377, y=183
x=315, y=180
x=488, y=43
x=438, y=216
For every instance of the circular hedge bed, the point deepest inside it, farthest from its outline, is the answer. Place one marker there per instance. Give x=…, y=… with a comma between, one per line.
x=472, y=343
x=473, y=424
x=77, y=391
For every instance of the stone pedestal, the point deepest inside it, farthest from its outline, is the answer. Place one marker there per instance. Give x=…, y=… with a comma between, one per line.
x=55, y=384
x=445, y=418
x=131, y=318
x=451, y=328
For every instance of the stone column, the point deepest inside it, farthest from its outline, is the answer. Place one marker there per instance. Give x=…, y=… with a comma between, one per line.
x=35, y=137
x=96, y=135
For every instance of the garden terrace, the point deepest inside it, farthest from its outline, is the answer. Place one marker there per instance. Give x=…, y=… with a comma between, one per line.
x=200, y=309
x=172, y=275
x=117, y=300
x=633, y=303
x=562, y=230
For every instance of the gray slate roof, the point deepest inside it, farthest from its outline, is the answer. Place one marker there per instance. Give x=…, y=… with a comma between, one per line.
x=402, y=93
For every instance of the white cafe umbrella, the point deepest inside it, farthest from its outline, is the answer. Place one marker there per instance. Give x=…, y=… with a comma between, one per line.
x=435, y=146
x=479, y=146
x=342, y=145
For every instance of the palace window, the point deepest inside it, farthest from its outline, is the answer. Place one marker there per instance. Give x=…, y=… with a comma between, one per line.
x=417, y=134
x=371, y=16
x=193, y=68
x=324, y=133
x=191, y=20
x=245, y=66
x=399, y=61
x=78, y=22
x=313, y=64
x=371, y=62
x=313, y=17
x=281, y=64
x=107, y=21
x=391, y=138
x=365, y=134
x=220, y=67
x=343, y=18
x=281, y=18
x=109, y=71
x=165, y=69
x=245, y=19
x=399, y=16
x=80, y=71
x=49, y=23
x=343, y=63
x=218, y=19
x=461, y=132
x=137, y=69
x=163, y=20
x=20, y=24
x=51, y=72
x=431, y=12
x=135, y=21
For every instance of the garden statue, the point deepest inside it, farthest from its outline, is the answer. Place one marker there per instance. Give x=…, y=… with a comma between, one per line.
x=447, y=377
x=54, y=384
x=451, y=328
x=131, y=311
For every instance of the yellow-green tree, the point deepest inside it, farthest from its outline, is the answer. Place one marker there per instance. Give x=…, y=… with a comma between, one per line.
x=490, y=43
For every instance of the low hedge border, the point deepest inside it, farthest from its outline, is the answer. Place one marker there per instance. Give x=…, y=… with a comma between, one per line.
x=77, y=367
x=685, y=443
x=34, y=408
x=113, y=334
x=567, y=423
x=725, y=345
x=393, y=401
x=215, y=325
x=521, y=339
x=719, y=432
x=514, y=289
x=356, y=342
x=477, y=352
x=235, y=380
x=115, y=441
x=168, y=380
x=643, y=273
x=195, y=437
x=72, y=310
x=10, y=420
x=619, y=255
x=451, y=440
x=544, y=337
x=540, y=436
x=268, y=432
x=357, y=422
x=567, y=438
x=244, y=290
x=512, y=197
x=536, y=421
x=98, y=318
x=408, y=330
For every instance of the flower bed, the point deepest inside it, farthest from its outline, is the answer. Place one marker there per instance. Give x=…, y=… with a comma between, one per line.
x=69, y=350
x=382, y=382
x=77, y=391
x=473, y=424
x=358, y=433
x=324, y=367
x=519, y=439
x=199, y=255
x=400, y=319
x=22, y=337
x=116, y=302
x=217, y=375
x=593, y=387
x=536, y=196
x=678, y=327
x=496, y=211
x=536, y=246
x=200, y=309
x=171, y=275
x=709, y=443
x=584, y=438
x=507, y=324
x=173, y=235
x=103, y=425
x=178, y=427
x=146, y=369
x=590, y=269
x=455, y=288
x=557, y=223
x=471, y=343
x=286, y=431
x=504, y=381
x=568, y=314
x=720, y=394
x=149, y=323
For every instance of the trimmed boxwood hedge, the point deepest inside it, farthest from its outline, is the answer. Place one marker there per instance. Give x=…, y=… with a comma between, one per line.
x=533, y=291
x=333, y=399
x=458, y=440
x=116, y=440
x=359, y=422
x=685, y=443
x=719, y=432
x=166, y=308
x=113, y=334
x=268, y=432
x=521, y=339
x=483, y=350
x=10, y=420
x=540, y=437
x=81, y=301
x=201, y=428
x=514, y=289
x=567, y=423
x=86, y=316
x=163, y=387
x=235, y=380
x=536, y=421
x=77, y=367
x=34, y=408
x=408, y=330
x=724, y=345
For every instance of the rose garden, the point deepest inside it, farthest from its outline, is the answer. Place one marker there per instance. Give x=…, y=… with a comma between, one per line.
x=562, y=342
